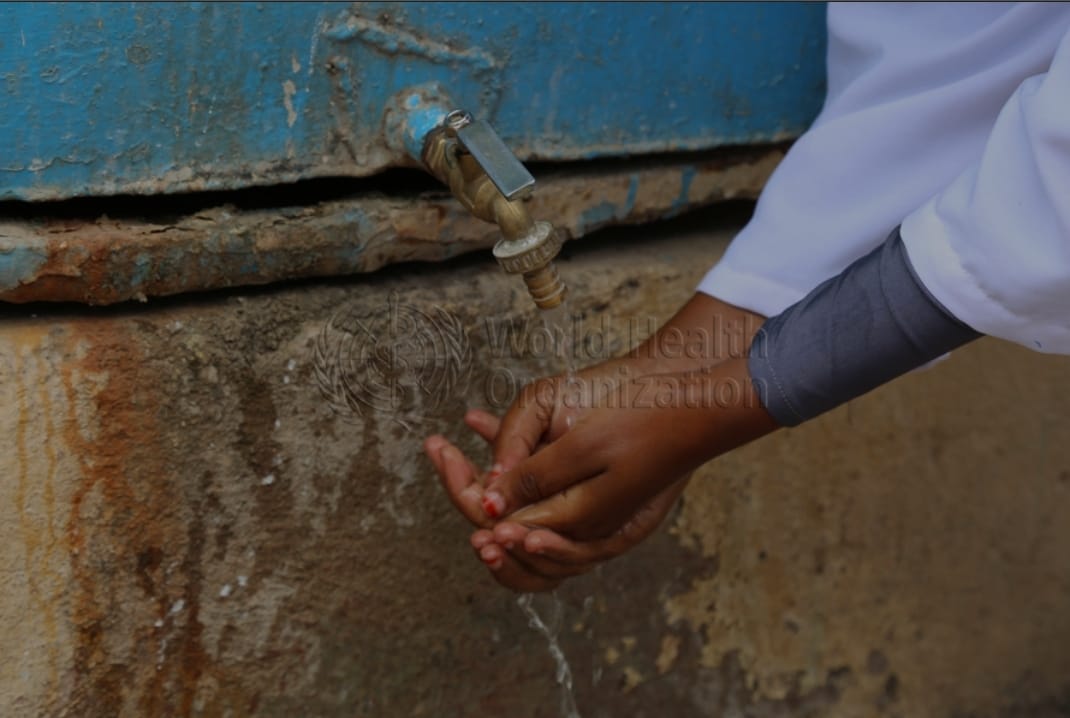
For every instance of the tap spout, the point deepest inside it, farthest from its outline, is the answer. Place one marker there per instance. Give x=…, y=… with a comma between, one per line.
x=477, y=174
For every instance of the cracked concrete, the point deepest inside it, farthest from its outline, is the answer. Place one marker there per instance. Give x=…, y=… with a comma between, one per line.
x=188, y=527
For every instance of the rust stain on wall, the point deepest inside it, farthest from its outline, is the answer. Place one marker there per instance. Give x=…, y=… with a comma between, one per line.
x=135, y=551
x=39, y=541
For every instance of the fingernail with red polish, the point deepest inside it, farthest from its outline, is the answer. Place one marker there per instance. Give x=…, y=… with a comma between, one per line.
x=493, y=504
x=491, y=558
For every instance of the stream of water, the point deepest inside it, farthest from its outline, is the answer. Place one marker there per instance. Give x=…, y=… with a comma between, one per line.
x=550, y=628
x=558, y=323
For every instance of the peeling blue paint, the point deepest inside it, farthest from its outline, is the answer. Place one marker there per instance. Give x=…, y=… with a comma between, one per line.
x=599, y=214
x=685, y=188
x=19, y=264
x=141, y=270
x=106, y=98
x=604, y=213
x=633, y=192
x=420, y=112
x=420, y=123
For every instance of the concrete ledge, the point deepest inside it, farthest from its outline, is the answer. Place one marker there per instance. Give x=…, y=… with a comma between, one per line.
x=104, y=261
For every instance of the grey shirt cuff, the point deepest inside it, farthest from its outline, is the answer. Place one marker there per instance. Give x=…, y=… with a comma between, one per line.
x=856, y=331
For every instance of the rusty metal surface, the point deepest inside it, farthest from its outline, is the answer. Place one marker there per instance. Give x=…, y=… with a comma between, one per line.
x=188, y=528
x=149, y=98
x=103, y=261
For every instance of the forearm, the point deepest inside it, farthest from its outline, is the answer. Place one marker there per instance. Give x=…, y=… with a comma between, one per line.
x=729, y=413
x=704, y=332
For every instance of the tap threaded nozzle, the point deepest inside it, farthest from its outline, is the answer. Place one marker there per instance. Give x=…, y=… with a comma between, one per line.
x=532, y=256
x=545, y=286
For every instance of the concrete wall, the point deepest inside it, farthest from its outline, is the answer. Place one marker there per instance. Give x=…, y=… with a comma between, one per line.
x=208, y=507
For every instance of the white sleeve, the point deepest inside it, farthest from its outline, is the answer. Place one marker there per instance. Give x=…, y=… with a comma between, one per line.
x=994, y=246
x=914, y=90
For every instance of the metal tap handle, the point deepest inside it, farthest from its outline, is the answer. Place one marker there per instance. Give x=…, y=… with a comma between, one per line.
x=502, y=167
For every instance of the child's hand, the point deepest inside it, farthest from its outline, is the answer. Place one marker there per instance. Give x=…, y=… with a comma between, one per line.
x=605, y=470
x=638, y=424
x=632, y=440
x=521, y=557
x=546, y=553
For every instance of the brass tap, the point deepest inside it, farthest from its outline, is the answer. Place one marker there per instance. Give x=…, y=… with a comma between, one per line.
x=491, y=183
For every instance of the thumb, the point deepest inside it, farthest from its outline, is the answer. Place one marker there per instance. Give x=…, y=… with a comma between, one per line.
x=524, y=425
x=562, y=464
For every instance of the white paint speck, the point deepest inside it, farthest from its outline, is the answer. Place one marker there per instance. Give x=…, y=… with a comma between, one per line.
x=158, y=623
x=291, y=365
x=177, y=606
x=285, y=378
x=225, y=591
x=243, y=581
x=278, y=424
x=319, y=26
x=267, y=480
x=289, y=89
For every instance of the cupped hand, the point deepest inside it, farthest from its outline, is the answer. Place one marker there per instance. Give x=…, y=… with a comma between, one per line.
x=632, y=439
x=620, y=432
x=703, y=333
x=584, y=468
x=521, y=556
